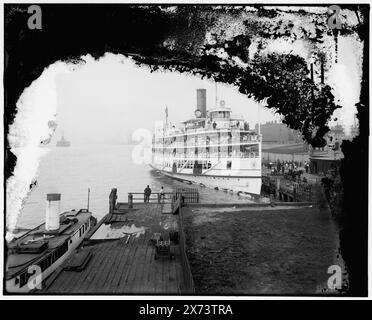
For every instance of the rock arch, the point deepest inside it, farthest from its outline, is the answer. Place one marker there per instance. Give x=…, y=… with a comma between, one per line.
x=228, y=44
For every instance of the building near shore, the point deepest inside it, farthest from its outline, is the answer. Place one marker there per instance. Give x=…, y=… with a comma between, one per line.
x=283, y=144
x=322, y=160
x=278, y=133
x=296, y=152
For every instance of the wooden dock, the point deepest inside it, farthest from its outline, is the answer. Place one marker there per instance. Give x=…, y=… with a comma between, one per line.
x=125, y=265
x=288, y=191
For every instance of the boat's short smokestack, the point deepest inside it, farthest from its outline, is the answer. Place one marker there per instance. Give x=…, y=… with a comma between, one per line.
x=53, y=209
x=201, y=101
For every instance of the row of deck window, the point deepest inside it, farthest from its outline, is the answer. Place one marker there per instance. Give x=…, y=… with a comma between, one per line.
x=52, y=257
x=215, y=152
x=45, y=263
x=189, y=164
x=83, y=228
x=205, y=139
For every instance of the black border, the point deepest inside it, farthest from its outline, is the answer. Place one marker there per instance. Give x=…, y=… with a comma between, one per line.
x=5, y=123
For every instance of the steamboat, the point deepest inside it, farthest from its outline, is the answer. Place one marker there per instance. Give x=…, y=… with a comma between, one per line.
x=63, y=142
x=214, y=148
x=34, y=256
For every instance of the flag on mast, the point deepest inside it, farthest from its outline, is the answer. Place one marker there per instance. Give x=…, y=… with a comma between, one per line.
x=166, y=113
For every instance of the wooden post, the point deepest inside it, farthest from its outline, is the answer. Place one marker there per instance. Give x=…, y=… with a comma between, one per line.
x=130, y=200
x=112, y=200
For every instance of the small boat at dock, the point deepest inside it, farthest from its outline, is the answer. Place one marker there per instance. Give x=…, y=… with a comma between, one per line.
x=35, y=255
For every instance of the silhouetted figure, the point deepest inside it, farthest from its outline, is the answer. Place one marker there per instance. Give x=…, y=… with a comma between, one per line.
x=161, y=194
x=147, y=193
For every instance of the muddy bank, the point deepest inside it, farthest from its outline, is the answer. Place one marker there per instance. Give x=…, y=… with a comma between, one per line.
x=259, y=251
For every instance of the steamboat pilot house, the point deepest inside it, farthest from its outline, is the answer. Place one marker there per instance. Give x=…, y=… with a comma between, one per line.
x=214, y=148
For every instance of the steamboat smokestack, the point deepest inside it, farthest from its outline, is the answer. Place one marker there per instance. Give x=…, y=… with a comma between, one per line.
x=201, y=101
x=53, y=209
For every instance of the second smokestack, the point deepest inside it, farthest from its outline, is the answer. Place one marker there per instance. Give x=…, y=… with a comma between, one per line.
x=201, y=101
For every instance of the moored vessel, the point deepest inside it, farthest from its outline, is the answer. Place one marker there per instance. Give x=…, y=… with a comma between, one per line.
x=34, y=256
x=63, y=142
x=214, y=148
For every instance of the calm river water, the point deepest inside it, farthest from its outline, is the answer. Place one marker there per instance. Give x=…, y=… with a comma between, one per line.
x=72, y=170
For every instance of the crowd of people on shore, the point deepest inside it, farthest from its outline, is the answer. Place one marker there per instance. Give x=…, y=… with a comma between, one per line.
x=282, y=167
x=291, y=170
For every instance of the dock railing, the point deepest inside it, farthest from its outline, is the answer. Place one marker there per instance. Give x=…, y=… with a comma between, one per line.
x=188, y=195
x=155, y=197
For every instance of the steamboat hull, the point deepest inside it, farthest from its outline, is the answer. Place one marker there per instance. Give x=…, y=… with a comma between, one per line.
x=238, y=184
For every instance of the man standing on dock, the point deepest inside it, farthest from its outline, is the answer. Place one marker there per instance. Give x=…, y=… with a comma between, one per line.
x=161, y=195
x=147, y=193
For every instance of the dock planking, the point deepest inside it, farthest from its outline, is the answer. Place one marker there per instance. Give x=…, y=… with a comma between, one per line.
x=96, y=270
x=119, y=266
x=115, y=267
x=140, y=279
x=85, y=275
x=118, y=272
x=131, y=270
x=146, y=285
x=103, y=270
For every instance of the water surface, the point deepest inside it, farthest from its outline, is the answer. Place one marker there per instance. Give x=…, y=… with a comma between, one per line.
x=72, y=170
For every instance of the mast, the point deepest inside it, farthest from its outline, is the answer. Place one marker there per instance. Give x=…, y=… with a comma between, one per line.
x=166, y=115
x=259, y=120
x=216, y=100
x=88, y=199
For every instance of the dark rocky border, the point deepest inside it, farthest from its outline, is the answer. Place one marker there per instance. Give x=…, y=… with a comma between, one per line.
x=70, y=31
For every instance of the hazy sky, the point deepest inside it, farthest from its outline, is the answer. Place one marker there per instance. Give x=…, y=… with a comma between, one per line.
x=106, y=100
